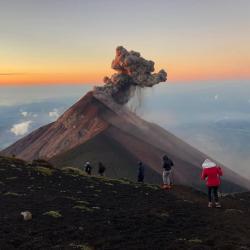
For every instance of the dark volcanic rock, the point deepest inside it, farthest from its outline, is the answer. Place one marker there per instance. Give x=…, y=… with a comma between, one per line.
x=73, y=211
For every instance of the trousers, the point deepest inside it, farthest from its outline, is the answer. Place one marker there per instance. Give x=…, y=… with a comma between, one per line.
x=215, y=192
x=166, y=177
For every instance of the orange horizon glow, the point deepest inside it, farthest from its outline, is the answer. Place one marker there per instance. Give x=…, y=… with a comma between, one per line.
x=174, y=75
x=57, y=42
x=92, y=72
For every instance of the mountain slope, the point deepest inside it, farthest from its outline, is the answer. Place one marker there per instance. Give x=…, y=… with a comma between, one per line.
x=73, y=211
x=97, y=115
x=77, y=125
x=118, y=161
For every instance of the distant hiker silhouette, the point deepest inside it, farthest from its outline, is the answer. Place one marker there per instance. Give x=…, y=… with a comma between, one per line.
x=101, y=169
x=140, y=176
x=167, y=169
x=211, y=173
x=88, y=168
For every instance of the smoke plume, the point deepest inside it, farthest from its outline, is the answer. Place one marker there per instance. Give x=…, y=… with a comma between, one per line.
x=133, y=71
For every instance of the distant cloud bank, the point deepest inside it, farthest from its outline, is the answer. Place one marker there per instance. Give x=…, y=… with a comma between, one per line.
x=21, y=128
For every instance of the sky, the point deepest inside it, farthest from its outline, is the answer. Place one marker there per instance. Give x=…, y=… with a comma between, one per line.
x=62, y=41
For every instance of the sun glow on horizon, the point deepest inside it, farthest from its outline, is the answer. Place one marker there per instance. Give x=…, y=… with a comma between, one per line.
x=61, y=42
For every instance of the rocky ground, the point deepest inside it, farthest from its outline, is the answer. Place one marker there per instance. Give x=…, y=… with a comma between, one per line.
x=73, y=211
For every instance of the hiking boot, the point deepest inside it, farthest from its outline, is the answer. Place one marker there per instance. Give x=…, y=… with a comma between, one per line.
x=217, y=204
x=210, y=204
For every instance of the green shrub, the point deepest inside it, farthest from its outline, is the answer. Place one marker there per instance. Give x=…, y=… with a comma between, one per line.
x=83, y=202
x=81, y=246
x=13, y=194
x=73, y=171
x=83, y=208
x=41, y=163
x=11, y=178
x=151, y=186
x=44, y=171
x=197, y=241
x=54, y=214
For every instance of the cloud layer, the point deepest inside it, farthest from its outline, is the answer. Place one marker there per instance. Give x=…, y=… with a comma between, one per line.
x=54, y=114
x=20, y=128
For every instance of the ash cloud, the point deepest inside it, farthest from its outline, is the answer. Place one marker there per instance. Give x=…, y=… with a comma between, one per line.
x=133, y=71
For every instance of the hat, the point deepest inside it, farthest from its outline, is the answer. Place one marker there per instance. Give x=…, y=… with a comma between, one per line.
x=208, y=164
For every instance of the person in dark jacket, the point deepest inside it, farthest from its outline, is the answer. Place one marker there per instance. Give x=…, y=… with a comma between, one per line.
x=88, y=168
x=167, y=169
x=140, y=176
x=211, y=173
x=101, y=169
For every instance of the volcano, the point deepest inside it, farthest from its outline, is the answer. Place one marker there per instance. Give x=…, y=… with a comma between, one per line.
x=96, y=128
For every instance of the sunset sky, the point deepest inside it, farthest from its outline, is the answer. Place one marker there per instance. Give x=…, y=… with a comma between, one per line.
x=63, y=41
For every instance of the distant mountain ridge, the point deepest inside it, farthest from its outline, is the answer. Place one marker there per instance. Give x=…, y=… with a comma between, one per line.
x=96, y=122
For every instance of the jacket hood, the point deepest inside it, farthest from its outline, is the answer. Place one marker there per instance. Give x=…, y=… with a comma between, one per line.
x=208, y=164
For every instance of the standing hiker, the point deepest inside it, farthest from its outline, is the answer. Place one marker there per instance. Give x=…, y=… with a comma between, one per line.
x=140, y=176
x=167, y=169
x=88, y=168
x=211, y=173
x=101, y=169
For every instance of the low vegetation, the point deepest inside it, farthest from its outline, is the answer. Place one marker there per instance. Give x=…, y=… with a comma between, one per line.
x=73, y=171
x=69, y=212
x=54, y=214
x=44, y=171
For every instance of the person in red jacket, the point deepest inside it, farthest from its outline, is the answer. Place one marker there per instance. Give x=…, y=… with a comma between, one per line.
x=211, y=173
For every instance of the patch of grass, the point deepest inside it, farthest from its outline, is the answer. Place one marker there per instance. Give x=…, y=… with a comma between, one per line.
x=122, y=181
x=97, y=208
x=11, y=178
x=232, y=211
x=44, y=171
x=182, y=239
x=70, y=198
x=83, y=208
x=54, y=214
x=80, y=246
x=41, y=163
x=154, y=187
x=73, y=171
x=164, y=214
x=109, y=184
x=12, y=160
x=13, y=194
x=196, y=241
x=83, y=202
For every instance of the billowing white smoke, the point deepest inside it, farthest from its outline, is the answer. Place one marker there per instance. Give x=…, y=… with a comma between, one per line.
x=133, y=71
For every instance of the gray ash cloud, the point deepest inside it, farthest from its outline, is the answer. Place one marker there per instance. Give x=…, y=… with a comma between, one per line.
x=133, y=71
